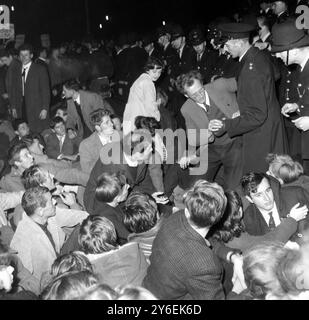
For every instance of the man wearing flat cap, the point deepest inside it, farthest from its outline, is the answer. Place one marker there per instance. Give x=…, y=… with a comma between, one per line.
x=292, y=46
x=260, y=122
x=205, y=59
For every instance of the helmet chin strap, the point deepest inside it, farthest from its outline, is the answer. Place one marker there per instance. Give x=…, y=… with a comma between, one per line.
x=287, y=57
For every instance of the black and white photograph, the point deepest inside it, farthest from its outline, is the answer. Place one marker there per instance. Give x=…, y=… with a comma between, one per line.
x=154, y=150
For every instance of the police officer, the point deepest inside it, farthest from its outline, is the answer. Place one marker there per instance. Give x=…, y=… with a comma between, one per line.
x=205, y=59
x=260, y=122
x=292, y=46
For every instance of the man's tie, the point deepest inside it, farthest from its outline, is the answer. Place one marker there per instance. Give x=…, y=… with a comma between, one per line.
x=24, y=79
x=60, y=144
x=271, y=223
x=199, y=57
x=206, y=106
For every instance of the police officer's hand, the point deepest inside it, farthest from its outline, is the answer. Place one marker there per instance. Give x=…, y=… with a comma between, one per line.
x=289, y=108
x=302, y=123
x=215, y=125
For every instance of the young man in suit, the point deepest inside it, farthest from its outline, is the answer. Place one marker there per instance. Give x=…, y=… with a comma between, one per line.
x=89, y=149
x=269, y=204
x=58, y=144
x=205, y=103
x=80, y=105
x=35, y=91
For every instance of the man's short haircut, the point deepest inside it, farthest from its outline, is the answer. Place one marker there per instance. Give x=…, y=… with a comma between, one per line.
x=55, y=121
x=137, y=141
x=259, y=266
x=153, y=63
x=109, y=186
x=74, y=261
x=26, y=47
x=73, y=85
x=14, y=152
x=251, y=181
x=284, y=167
x=33, y=199
x=32, y=177
x=16, y=123
x=69, y=286
x=97, y=235
x=206, y=203
x=140, y=213
x=97, y=115
x=187, y=80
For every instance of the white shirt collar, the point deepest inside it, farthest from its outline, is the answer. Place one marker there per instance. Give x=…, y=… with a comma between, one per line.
x=275, y=213
x=303, y=64
x=244, y=54
x=27, y=66
x=77, y=100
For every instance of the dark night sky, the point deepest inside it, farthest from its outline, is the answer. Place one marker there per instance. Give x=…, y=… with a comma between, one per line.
x=66, y=19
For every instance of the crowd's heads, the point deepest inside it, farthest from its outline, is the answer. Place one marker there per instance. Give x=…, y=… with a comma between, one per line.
x=36, y=176
x=71, y=262
x=231, y=225
x=21, y=127
x=26, y=53
x=140, y=213
x=279, y=7
x=289, y=42
x=236, y=37
x=57, y=124
x=70, y=88
x=97, y=235
x=154, y=67
x=33, y=143
x=256, y=187
x=19, y=157
x=111, y=188
x=197, y=40
x=284, y=168
x=205, y=203
x=38, y=202
x=177, y=37
x=102, y=122
x=69, y=286
x=163, y=36
x=191, y=85
x=62, y=112
x=259, y=266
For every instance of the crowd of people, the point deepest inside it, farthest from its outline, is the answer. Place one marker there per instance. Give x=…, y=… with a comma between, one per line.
x=168, y=166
